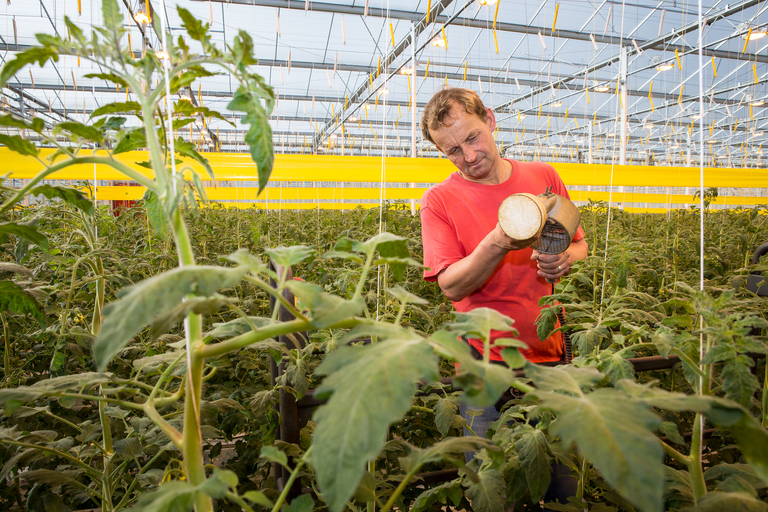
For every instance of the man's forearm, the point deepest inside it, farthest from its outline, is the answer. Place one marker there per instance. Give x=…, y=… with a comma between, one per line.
x=467, y=275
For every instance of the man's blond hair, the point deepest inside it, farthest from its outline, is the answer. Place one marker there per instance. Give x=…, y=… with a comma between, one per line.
x=439, y=107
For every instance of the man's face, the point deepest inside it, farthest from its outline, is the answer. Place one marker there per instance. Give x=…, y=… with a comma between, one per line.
x=468, y=143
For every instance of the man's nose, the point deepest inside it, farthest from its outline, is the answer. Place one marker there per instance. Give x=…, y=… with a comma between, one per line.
x=470, y=155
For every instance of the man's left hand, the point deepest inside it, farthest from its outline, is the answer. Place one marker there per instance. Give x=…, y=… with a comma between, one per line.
x=552, y=266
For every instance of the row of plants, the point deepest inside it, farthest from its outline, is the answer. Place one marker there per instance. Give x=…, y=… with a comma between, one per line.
x=137, y=348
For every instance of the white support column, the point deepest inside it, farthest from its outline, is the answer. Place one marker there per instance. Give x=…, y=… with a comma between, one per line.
x=413, y=105
x=623, y=93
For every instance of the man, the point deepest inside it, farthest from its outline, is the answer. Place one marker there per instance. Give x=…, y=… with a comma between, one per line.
x=474, y=262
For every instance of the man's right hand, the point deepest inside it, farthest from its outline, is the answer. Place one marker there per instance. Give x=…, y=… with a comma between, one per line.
x=500, y=239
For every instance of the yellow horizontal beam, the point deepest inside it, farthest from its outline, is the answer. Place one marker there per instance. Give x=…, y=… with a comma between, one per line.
x=240, y=167
x=338, y=194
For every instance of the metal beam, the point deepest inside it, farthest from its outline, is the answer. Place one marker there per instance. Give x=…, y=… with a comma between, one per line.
x=482, y=24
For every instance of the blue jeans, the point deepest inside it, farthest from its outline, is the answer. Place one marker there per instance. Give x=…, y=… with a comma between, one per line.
x=562, y=485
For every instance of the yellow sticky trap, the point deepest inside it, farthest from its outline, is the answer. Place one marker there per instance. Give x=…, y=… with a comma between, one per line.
x=523, y=135
x=496, y=14
x=577, y=123
x=79, y=7
x=677, y=56
x=546, y=134
x=399, y=112
x=621, y=100
x=680, y=97
x=538, y=117
x=366, y=111
x=464, y=78
x=409, y=83
x=587, y=91
x=445, y=40
x=446, y=80
x=754, y=70
x=370, y=79
x=566, y=116
x=736, y=124
x=333, y=111
x=392, y=32
x=78, y=61
x=653, y=109
x=751, y=116
x=711, y=128
x=518, y=137
x=496, y=40
x=429, y=10
x=549, y=123
x=376, y=103
x=359, y=123
x=747, y=40
x=554, y=23
x=346, y=101
x=426, y=71
x=396, y=122
x=714, y=68
x=378, y=67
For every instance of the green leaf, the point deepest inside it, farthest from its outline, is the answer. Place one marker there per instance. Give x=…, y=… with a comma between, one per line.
x=201, y=305
x=274, y=455
x=36, y=125
x=343, y=255
x=545, y=323
x=26, y=231
x=38, y=54
x=738, y=382
x=303, y=503
x=110, y=77
x=326, y=309
x=616, y=434
x=48, y=476
x=372, y=388
x=396, y=254
x=156, y=213
x=194, y=27
x=129, y=447
x=534, y=456
x=188, y=76
x=258, y=498
x=14, y=298
x=447, y=449
x=170, y=497
x=665, y=339
x=718, y=353
x=80, y=130
x=259, y=135
x=488, y=494
x=242, y=50
x=187, y=149
x=564, y=378
x=13, y=398
x=721, y=501
x=289, y=256
x=18, y=145
x=15, y=269
x=236, y=327
x=404, y=296
x=121, y=107
x=480, y=322
x=428, y=499
x=743, y=471
x=67, y=194
x=615, y=367
x=143, y=301
x=243, y=257
x=130, y=139
x=113, y=18
x=445, y=411
x=670, y=430
x=219, y=483
x=513, y=357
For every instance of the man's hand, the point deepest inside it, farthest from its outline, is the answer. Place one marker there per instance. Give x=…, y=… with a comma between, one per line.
x=502, y=241
x=554, y=266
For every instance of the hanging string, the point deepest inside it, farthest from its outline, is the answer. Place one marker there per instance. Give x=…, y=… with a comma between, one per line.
x=166, y=62
x=383, y=169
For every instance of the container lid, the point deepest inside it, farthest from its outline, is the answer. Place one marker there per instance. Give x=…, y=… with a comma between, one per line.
x=522, y=216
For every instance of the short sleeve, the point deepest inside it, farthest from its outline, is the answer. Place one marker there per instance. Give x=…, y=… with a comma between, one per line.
x=439, y=239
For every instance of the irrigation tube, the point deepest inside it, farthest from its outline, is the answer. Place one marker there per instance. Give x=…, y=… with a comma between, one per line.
x=701, y=201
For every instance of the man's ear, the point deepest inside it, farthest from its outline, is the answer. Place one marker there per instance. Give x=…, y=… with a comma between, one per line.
x=490, y=118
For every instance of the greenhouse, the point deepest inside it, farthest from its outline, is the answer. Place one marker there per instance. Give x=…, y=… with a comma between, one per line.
x=383, y=255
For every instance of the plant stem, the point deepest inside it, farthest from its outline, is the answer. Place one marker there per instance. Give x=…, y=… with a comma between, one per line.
x=400, y=488
x=697, y=473
x=291, y=479
x=240, y=501
x=7, y=355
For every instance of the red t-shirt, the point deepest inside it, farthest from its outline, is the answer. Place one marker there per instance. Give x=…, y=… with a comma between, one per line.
x=457, y=215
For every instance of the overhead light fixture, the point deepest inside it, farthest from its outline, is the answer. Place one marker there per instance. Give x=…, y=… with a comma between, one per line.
x=439, y=42
x=522, y=116
x=757, y=103
x=755, y=34
x=611, y=134
x=488, y=2
x=557, y=104
x=696, y=116
x=713, y=141
x=161, y=54
x=758, y=134
x=406, y=71
x=602, y=88
x=665, y=66
x=141, y=16
x=353, y=119
x=383, y=90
